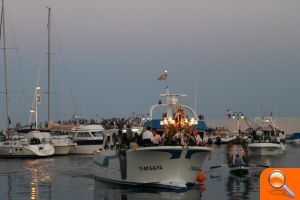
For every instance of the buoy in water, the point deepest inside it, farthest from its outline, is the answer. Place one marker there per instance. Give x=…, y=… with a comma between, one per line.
x=201, y=177
x=202, y=189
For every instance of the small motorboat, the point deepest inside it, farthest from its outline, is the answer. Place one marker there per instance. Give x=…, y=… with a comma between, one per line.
x=239, y=170
x=294, y=139
x=89, y=138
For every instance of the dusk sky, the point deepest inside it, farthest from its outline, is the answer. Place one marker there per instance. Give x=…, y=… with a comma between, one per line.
x=245, y=55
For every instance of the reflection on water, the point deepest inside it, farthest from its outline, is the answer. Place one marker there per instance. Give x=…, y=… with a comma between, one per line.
x=111, y=192
x=39, y=176
x=71, y=178
x=238, y=187
x=25, y=179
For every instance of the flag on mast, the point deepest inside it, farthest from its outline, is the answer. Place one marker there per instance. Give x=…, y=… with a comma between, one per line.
x=163, y=76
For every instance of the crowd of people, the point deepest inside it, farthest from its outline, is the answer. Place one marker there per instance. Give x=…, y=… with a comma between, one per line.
x=114, y=123
x=153, y=137
x=110, y=123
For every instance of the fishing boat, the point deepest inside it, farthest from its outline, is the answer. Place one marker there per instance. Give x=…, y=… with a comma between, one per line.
x=173, y=165
x=265, y=148
x=267, y=138
x=88, y=138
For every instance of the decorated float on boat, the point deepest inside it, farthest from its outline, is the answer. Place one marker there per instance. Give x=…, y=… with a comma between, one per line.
x=173, y=163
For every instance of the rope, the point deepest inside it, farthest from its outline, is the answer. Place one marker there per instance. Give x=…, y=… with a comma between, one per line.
x=68, y=78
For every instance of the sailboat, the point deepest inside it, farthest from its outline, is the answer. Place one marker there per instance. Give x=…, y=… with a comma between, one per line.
x=21, y=144
x=62, y=143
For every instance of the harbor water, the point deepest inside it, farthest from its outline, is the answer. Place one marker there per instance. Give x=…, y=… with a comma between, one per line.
x=71, y=177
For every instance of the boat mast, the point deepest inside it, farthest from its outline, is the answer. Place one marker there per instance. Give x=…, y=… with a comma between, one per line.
x=5, y=66
x=49, y=64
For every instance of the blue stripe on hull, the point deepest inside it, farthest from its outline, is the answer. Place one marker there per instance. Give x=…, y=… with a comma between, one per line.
x=190, y=152
x=175, y=154
x=89, y=142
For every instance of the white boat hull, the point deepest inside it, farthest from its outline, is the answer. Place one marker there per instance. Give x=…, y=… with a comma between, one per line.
x=41, y=150
x=167, y=166
x=265, y=149
x=295, y=141
x=84, y=149
x=62, y=149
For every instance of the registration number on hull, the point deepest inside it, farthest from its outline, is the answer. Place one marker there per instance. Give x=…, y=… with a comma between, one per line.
x=195, y=168
x=150, y=168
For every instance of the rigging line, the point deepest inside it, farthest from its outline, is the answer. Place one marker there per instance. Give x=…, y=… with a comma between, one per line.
x=69, y=78
x=1, y=116
x=20, y=65
x=58, y=108
x=1, y=22
x=39, y=69
x=15, y=92
x=5, y=68
x=37, y=82
x=56, y=85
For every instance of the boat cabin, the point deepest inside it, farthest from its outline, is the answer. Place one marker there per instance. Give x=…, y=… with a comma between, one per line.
x=87, y=134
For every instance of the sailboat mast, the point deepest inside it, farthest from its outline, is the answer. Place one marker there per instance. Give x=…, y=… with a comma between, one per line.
x=5, y=66
x=49, y=64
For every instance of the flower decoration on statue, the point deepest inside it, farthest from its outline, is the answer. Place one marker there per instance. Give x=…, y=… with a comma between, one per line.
x=178, y=123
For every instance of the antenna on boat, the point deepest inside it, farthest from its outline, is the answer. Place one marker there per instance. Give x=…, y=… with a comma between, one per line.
x=5, y=63
x=49, y=64
x=196, y=82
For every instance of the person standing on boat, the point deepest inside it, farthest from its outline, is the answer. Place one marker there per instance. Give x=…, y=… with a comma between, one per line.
x=238, y=161
x=156, y=137
x=119, y=138
x=147, y=137
x=282, y=136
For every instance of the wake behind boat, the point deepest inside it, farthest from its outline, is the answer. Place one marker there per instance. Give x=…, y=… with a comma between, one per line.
x=173, y=163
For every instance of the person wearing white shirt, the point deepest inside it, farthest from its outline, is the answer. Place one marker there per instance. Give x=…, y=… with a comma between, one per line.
x=156, y=138
x=147, y=137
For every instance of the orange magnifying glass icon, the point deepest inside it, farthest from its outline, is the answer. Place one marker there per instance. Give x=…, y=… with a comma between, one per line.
x=277, y=180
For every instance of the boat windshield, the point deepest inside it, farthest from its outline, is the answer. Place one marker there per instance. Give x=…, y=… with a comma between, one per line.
x=83, y=134
x=97, y=133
